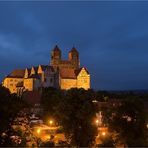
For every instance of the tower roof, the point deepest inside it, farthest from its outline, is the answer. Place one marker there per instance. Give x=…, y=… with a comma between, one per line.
x=73, y=50
x=56, y=48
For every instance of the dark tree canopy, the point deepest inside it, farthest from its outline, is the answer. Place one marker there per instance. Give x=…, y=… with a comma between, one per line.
x=76, y=113
x=51, y=97
x=75, y=109
x=10, y=105
x=128, y=124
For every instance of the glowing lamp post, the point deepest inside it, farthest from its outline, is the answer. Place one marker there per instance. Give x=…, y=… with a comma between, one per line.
x=50, y=122
x=38, y=131
x=97, y=122
x=103, y=133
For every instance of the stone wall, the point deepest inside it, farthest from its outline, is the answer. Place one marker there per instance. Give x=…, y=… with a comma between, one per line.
x=68, y=83
x=11, y=83
x=83, y=80
x=28, y=84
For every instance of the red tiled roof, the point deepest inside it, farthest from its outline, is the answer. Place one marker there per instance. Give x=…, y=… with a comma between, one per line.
x=64, y=62
x=68, y=73
x=17, y=73
x=71, y=73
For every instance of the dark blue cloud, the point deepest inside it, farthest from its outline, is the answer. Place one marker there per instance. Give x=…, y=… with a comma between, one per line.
x=111, y=37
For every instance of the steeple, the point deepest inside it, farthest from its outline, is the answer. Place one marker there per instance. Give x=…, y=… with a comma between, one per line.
x=32, y=71
x=26, y=73
x=73, y=56
x=56, y=53
x=74, y=50
x=56, y=48
x=55, y=56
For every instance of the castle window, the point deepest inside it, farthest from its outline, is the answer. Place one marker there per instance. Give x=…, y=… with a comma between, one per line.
x=11, y=84
x=11, y=80
x=51, y=80
x=45, y=80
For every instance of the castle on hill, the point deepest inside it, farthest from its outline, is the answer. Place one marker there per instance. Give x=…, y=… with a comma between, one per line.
x=63, y=74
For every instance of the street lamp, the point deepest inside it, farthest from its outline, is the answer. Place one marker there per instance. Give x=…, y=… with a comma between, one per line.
x=50, y=122
x=97, y=121
x=103, y=133
x=38, y=131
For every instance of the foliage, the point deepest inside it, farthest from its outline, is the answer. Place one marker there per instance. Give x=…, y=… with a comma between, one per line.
x=10, y=105
x=50, y=99
x=70, y=108
x=74, y=110
x=128, y=124
x=47, y=144
x=102, y=96
x=19, y=133
x=107, y=142
x=75, y=113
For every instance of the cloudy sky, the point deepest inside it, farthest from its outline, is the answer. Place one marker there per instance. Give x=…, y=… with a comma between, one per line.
x=111, y=37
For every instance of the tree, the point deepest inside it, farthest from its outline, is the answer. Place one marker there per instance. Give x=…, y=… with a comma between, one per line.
x=10, y=105
x=75, y=113
x=51, y=97
x=128, y=124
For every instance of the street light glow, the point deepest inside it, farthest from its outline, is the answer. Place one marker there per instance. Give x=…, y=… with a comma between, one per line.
x=97, y=121
x=50, y=122
x=103, y=133
x=38, y=131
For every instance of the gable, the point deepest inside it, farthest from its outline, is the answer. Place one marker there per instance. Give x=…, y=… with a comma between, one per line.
x=83, y=72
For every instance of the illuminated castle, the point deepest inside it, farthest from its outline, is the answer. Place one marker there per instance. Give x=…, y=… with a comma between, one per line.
x=63, y=74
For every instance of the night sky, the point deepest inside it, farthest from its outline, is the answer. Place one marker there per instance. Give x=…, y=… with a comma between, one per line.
x=111, y=37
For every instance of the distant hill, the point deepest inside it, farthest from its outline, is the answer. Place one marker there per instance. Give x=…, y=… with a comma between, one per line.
x=138, y=91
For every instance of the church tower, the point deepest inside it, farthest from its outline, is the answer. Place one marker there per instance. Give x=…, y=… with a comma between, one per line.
x=55, y=56
x=73, y=56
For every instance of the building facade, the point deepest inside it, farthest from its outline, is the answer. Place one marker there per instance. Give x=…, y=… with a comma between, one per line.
x=63, y=74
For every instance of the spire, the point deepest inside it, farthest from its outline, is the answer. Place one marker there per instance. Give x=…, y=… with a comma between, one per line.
x=26, y=73
x=55, y=55
x=73, y=50
x=56, y=48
